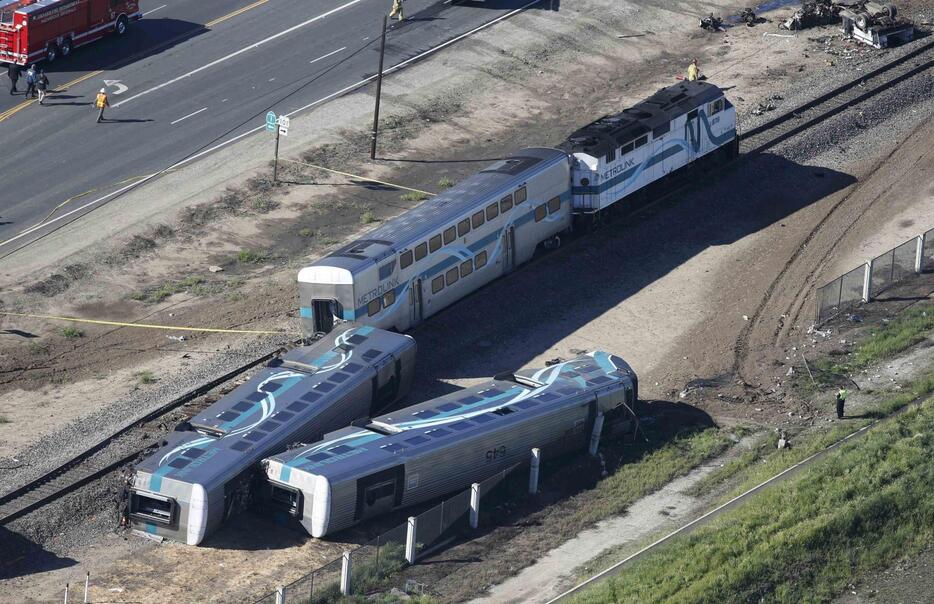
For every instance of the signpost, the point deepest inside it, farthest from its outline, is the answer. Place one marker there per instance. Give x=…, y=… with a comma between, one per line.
x=279, y=125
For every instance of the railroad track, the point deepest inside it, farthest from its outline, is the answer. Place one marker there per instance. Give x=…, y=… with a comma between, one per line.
x=93, y=463
x=88, y=466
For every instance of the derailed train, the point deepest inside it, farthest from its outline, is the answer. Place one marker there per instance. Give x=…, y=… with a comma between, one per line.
x=204, y=473
x=427, y=450
x=429, y=257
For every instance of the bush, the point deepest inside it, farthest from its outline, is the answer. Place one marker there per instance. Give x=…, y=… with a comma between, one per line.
x=250, y=257
x=414, y=196
x=445, y=183
x=368, y=217
x=72, y=332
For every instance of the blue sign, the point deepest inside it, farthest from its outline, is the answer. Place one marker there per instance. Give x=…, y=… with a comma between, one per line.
x=271, y=124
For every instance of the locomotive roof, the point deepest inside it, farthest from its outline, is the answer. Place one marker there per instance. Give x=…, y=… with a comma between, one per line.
x=255, y=419
x=451, y=418
x=442, y=210
x=612, y=131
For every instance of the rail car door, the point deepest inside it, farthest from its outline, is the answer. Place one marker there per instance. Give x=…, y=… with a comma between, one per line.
x=693, y=130
x=509, y=249
x=379, y=492
x=415, y=299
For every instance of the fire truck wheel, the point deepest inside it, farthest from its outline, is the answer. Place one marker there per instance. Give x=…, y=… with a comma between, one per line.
x=51, y=52
x=65, y=48
x=120, y=27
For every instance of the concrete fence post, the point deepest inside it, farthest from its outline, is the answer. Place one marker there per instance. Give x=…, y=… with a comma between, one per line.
x=87, y=584
x=474, y=505
x=867, y=282
x=280, y=595
x=66, y=593
x=410, y=533
x=345, y=574
x=595, y=435
x=533, y=471
x=919, y=254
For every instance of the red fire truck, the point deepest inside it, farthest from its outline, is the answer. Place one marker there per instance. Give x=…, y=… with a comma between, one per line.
x=32, y=30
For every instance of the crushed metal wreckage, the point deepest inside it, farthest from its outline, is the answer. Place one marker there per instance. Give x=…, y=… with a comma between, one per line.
x=712, y=23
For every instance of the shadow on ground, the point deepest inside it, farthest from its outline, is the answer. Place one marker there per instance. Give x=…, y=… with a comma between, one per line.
x=23, y=557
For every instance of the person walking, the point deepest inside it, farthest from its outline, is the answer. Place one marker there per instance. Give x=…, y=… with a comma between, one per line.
x=101, y=103
x=42, y=85
x=693, y=71
x=12, y=72
x=841, y=401
x=31, y=82
x=397, y=10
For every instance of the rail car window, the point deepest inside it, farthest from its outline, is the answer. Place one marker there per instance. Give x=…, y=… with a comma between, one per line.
x=540, y=213
x=437, y=284
x=480, y=260
x=434, y=244
x=451, y=276
x=378, y=491
x=662, y=130
x=385, y=271
x=463, y=227
x=505, y=204
x=405, y=259
x=373, y=307
x=520, y=195
x=692, y=115
x=450, y=234
x=477, y=219
x=388, y=299
x=715, y=107
x=492, y=211
x=466, y=267
x=642, y=140
x=611, y=155
x=152, y=507
x=627, y=148
x=554, y=204
x=421, y=250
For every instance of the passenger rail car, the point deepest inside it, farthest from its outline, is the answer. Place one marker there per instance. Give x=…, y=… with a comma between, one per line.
x=428, y=450
x=620, y=154
x=449, y=246
x=205, y=472
x=429, y=257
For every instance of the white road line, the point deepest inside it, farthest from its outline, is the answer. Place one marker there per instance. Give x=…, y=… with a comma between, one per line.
x=327, y=55
x=263, y=127
x=149, y=12
x=239, y=52
x=188, y=116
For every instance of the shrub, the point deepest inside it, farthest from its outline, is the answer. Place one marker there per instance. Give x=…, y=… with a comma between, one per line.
x=72, y=332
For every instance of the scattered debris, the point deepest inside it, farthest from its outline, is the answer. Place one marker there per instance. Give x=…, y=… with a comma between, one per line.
x=553, y=361
x=876, y=24
x=177, y=338
x=748, y=16
x=783, y=442
x=215, y=269
x=811, y=14
x=711, y=23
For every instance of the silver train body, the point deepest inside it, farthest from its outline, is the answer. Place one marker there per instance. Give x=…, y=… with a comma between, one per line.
x=425, y=451
x=429, y=257
x=202, y=475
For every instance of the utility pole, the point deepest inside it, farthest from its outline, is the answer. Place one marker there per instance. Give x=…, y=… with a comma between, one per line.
x=379, y=87
x=275, y=163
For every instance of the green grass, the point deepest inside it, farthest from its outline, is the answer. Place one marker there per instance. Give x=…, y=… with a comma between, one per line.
x=4, y=419
x=445, y=183
x=306, y=232
x=248, y=256
x=38, y=348
x=861, y=508
x=368, y=217
x=192, y=284
x=762, y=448
x=413, y=196
x=71, y=332
x=146, y=377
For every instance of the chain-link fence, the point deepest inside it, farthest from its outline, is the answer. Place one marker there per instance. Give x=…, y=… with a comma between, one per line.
x=373, y=562
x=873, y=278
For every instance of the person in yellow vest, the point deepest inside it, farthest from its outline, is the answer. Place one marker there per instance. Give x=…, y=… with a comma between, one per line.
x=101, y=103
x=841, y=401
x=693, y=71
x=396, y=10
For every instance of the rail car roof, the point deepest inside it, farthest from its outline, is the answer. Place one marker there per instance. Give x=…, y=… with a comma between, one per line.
x=440, y=211
x=254, y=419
x=612, y=131
x=445, y=420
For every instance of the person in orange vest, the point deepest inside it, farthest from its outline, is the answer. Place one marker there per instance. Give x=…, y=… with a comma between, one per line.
x=101, y=103
x=693, y=71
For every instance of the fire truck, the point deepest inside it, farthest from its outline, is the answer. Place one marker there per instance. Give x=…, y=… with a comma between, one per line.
x=33, y=30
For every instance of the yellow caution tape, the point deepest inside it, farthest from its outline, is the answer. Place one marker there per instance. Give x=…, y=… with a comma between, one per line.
x=358, y=177
x=147, y=325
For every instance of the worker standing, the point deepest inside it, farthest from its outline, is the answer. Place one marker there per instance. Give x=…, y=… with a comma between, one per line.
x=12, y=72
x=397, y=10
x=42, y=85
x=841, y=401
x=101, y=103
x=31, y=82
x=693, y=71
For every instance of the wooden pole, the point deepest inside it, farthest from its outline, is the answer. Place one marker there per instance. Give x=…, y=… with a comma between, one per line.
x=379, y=87
x=275, y=164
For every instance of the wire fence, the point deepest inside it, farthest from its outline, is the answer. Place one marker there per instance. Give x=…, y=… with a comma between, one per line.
x=866, y=282
x=371, y=564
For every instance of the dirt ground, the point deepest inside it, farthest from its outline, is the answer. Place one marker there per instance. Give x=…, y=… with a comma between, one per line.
x=676, y=311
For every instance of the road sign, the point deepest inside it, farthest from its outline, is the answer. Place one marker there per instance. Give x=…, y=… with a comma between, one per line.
x=284, y=125
x=271, y=121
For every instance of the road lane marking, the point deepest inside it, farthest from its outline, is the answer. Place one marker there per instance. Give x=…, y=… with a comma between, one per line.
x=235, y=13
x=149, y=12
x=328, y=55
x=188, y=116
x=240, y=52
x=13, y=110
x=143, y=179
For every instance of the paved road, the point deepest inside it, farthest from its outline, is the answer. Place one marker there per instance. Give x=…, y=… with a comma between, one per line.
x=190, y=87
